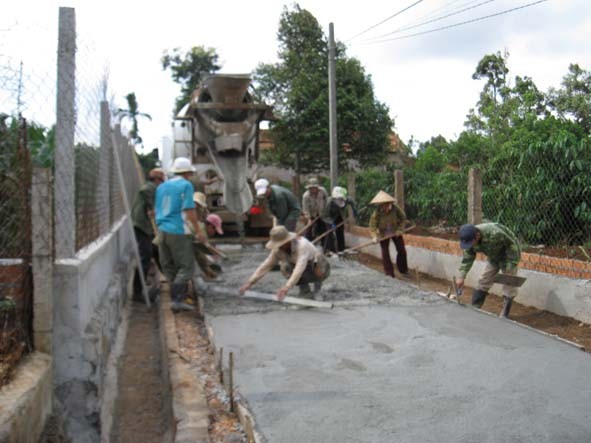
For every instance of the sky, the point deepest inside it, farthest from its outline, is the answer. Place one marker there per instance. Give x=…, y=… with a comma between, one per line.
x=425, y=80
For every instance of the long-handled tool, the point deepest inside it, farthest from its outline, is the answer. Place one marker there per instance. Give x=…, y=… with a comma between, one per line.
x=308, y=226
x=320, y=237
x=457, y=291
x=369, y=243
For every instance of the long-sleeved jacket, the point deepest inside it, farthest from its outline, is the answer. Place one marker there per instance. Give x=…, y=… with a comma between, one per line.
x=142, y=203
x=302, y=251
x=334, y=212
x=498, y=243
x=313, y=206
x=283, y=204
x=383, y=223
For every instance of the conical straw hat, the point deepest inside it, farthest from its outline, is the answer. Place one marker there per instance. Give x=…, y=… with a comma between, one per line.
x=382, y=197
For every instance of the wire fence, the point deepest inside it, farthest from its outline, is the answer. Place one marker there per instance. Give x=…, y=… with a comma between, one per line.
x=58, y=119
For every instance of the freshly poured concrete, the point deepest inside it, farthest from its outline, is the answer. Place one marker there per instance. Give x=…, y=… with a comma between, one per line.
x=393, y=364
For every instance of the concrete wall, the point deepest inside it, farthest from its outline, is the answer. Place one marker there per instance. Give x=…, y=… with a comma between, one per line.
x=561, y=286
x=25, y=403
x=89, y=293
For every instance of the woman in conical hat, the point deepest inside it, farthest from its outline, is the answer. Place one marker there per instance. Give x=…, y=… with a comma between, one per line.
x=386, y=223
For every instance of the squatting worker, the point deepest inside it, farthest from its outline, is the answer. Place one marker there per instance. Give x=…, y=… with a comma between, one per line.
x=301, y=263
x=313, y=206
x=503, y=253
x=177, y=221
x=142, y=213
x=335, y=213
x=205, y=220
x=386, y=223
x=281, y=202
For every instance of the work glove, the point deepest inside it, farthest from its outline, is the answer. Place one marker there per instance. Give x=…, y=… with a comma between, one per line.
x=374, y=239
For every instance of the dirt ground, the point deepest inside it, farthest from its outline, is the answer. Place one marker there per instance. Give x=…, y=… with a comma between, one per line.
x=195, y=348
x=564, y=327
x=139, y=412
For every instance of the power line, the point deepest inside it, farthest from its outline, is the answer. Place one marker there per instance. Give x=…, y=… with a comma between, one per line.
x=459, y=24
x=386, y=19
x=432, y=20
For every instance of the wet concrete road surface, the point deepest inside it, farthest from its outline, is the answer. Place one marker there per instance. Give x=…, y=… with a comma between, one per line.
x=394, y=364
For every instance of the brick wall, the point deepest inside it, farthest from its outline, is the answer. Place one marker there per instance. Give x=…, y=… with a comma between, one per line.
x=534, y=262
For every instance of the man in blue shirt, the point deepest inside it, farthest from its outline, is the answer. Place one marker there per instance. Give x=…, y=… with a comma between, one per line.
x=177, y=222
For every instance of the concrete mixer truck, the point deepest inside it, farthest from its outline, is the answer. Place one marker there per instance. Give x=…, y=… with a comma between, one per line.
x=219, y=131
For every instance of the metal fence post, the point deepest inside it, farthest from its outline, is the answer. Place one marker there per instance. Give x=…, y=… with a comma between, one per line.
x=65, y=215
x=399, y=188
x=42, y=249
x=105, y=155
x=474, y=196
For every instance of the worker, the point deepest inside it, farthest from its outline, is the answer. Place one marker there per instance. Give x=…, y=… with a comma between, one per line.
x=210, y=224
x=142, y=213
x=281, y=203
x=177, y=222
x=386, y=224
x=313, y=206
x=335, y=213
x=503, y=253
x=301, y=263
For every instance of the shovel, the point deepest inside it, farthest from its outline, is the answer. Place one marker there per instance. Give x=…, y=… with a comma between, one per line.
x=509, y=280
x=328, y=232
x=343, y=254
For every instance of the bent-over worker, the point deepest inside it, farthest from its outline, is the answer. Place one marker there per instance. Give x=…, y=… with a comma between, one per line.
x=386, y=223
x=301, y=263
x=281, y=202
x=503, y=253
x=334, y=214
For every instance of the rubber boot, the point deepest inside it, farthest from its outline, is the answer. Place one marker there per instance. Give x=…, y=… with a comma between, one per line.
x=478, y=297
x=507, y=302
x=177, y=293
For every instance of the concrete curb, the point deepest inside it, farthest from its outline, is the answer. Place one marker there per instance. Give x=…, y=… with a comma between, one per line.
x=244, y=415
x=190, y=412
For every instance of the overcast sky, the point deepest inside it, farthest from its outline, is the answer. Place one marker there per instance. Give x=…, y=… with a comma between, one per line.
x=425, y=80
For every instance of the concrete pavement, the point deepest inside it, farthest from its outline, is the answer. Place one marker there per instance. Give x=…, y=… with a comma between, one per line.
x=391, y=363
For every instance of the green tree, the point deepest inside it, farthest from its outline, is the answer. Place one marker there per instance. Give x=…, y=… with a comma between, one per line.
x=188, y=69
x=573, y=100
x=132, y=113
x=297, y=88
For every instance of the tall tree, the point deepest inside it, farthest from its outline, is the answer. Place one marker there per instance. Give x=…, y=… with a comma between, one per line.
x=573, y=100
x=132, y=113
x=297, y=88
x=188, y=69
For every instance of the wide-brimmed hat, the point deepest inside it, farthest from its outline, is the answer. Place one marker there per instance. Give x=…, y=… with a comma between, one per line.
x=261, y=186
x=278, y=236
x=200, y=198
x=382, y=197
x=181, y=165
x=467, y=234
x=312, y=183
x=216, y=222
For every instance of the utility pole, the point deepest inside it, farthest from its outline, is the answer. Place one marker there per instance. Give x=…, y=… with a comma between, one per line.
x=332, y=108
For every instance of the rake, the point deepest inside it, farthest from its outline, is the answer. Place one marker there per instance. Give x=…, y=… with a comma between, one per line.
x=347, y=253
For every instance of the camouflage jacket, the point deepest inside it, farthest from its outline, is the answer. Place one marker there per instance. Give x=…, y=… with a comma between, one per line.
x=499, y=245
x=383, y=223
x=142, y=203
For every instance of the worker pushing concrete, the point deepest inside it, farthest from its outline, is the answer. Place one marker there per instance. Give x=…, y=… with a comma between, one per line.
x=313, y=205
x=281, y=202
x=503, y=252
x=301, y=263
x=386, y=224
x=211, y=224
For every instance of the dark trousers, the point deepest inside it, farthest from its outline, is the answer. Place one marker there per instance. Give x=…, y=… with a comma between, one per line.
x=400, y=256
x=147, y=251
x=339, y=233
x=317, y=229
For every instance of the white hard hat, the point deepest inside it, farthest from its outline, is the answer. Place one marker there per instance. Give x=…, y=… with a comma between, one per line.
x=182, y=164
x=339, y=192
x=261, y=186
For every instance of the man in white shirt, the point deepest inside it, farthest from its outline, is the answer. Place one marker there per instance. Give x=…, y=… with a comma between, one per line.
x=300, y=261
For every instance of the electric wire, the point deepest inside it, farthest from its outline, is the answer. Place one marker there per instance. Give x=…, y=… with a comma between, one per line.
x=385, y=20
x=442, y=28
x=451, y=14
